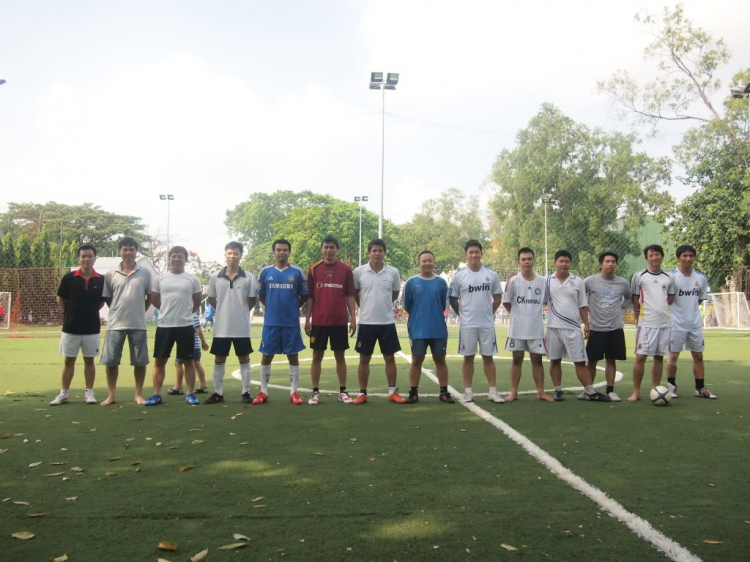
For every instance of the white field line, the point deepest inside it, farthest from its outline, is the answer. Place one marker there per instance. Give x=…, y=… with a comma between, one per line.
x=641, y=527
x=236, y=375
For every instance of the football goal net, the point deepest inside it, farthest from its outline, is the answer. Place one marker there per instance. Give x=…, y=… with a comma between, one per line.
x=727, y=310
x=4, y=310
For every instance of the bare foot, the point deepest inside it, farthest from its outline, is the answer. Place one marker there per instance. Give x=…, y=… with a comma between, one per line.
x=545, y=397
x=633, y=397
x=140, y=400
x=109, y=400
x=511, y=397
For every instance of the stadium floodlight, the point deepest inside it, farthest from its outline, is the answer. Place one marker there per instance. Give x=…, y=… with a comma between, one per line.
x=739, y=94
x=376, y=83
x=360, y=200
x=2, y=81
x=168, y=197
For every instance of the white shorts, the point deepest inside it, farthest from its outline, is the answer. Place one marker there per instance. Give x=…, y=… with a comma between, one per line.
x=470, y=338
x=564, y=343
x=686, y=341
x=532, y=346
x=70, y=344
x=651, y=341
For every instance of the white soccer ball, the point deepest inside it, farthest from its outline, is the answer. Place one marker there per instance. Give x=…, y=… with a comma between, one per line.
x=660, y=396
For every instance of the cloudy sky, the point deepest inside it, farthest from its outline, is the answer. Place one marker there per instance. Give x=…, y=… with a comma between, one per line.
x=116, y=102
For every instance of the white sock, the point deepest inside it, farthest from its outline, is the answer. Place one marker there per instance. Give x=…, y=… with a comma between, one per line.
x=391, y=390
x=265, y=376
x=63, y=392
x=589, y=389
x=294, y=377
x=246, y=372
x=493, y=389
x=558, y=389
x=468, y=389
x=219, y=369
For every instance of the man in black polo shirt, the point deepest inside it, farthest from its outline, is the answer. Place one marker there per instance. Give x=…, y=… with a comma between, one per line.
x=80, y=297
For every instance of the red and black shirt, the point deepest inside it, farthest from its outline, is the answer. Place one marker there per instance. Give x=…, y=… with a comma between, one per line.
x=83, y=299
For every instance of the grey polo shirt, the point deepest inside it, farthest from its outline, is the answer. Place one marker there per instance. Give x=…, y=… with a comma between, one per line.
x=232, y=319
x=127, y=311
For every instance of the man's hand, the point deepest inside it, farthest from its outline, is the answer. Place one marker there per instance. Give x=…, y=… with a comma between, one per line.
x=204, y=346
x=308, y=326
x=352, y=327
x=586, y=331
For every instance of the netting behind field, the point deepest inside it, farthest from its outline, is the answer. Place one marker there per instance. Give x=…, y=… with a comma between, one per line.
x=32, y=293
x=727, y=310
x=5, y=299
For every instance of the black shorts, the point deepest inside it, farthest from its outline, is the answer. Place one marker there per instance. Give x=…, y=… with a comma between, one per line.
x=184, y=337
x=606, y=344
x=339, y=336
x=384, y=334
x=221, y=346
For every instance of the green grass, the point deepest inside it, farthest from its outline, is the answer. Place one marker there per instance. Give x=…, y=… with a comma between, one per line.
x=682, y=468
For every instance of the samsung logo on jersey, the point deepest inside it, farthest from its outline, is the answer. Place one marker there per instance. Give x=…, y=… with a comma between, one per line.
x=524, y=300
x=281, y=285
x=482, y=287
x=691, y=293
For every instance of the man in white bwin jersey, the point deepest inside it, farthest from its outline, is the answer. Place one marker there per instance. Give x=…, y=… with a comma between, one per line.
x=686, y=332
x=524, y=297
x=475, y=295
x=653, y=293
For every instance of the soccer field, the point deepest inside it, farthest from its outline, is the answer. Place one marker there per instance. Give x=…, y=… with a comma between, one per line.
x=545, y=481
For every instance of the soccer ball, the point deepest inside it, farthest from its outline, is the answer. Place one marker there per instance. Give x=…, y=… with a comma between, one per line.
x=660, y=396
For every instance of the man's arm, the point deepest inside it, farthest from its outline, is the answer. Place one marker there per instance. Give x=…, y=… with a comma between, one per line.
x=148, y=301
x=351, y=305
x=497, y=300
x=507, y=306
x=251, y=302
x=356, y=297
x=204, y=343
x=263, y=299
x=212, y=302
x=395, y=295
x=156, y=300
x=62, y=303
x=454, y=304
x=197, y=301
x=308, y=315
x=584, y=311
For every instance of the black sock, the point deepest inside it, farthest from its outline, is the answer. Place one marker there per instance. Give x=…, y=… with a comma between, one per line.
x=443, y=390
x=610, y=389
x=699, y=383
x=342, y=389
x=363, y=391
x=316, y=389
x=413, y=390
x=672, y=381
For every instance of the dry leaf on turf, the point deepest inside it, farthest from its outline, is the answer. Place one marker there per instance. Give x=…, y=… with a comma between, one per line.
x=257, y=499
x=162, y=560
x=197, y=441
x=233, y=546
x=184, y=468
x=55, y=474
x=708, y=541
x=200, y=556
x=23, y=535
x=75, y=422
x=63, y=558
x=33, y=464
x=113, y=459
x=165, y=545
x=353, y=439
x=194, y=429
x=35, y=515
x=508, y=547
x=372, y=459
x=57, y=463
x=245, y=443
x=72, y=498
x=110, y=474
x=135, y=463
x=259, y=506
x=3, y=451
x=130, y=439
x=319, y=454
x=5, y=436
x=76, y=469
x=21, y=503
x=239, y=537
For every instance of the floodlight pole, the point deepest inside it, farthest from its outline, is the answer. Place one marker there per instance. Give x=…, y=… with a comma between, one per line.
x=360, y=200
x=545, y=198
x=382, y=175
x=168, y=198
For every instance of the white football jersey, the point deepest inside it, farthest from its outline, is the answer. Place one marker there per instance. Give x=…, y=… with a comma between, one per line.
x=565, y=301
x=526, y=299
x=689, y=291
x=474, y=291
x=652, y=289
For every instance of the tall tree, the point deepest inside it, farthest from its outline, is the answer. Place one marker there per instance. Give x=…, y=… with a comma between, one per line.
x=8, y=255
x=597, y=187
x=23, y=252
x=41, y=255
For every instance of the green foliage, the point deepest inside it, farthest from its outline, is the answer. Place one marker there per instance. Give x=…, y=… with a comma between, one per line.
x=23, y=252
x=304, y=219
x=41, y=255
x=598, y=188
x=8, y=254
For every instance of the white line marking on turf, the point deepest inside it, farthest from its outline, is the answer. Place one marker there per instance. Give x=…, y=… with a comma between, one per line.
x=641, y=527
x=236, y=375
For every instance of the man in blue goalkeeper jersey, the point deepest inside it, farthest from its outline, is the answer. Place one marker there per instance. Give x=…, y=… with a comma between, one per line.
x=282, y=289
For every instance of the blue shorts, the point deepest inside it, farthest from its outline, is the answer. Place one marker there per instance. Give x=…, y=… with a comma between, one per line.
x=437, y=345
x=281, y=340
x=196, y=355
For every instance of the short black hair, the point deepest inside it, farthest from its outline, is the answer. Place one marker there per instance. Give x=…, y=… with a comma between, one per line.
x=281, y=241
x=471, y=243
x=419, y=257
x=605, y=254
x=685, y=248
x=127, y=241
x=653, y=248
x=178, y=250
x=563, y=254
x=86, y=247
x=377, y=242
x=234, y=246
x=330, y=240
x=525, y=250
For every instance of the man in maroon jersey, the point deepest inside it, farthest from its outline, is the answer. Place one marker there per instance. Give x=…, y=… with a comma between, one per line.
x=330, y=306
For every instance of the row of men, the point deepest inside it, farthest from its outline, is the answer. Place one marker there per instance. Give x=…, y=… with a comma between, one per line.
x=333, y=292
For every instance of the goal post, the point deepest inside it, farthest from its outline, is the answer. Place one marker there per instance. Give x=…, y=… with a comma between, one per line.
x=727, y=310
x=5, y=310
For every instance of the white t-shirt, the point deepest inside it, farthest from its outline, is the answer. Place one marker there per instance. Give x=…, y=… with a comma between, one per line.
x=566, y=298
x=526, y=300
x=232, y=317
x=652, y=290
x=176, y=290
x=474, y=291
x=689, y=291
x=376, y=293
